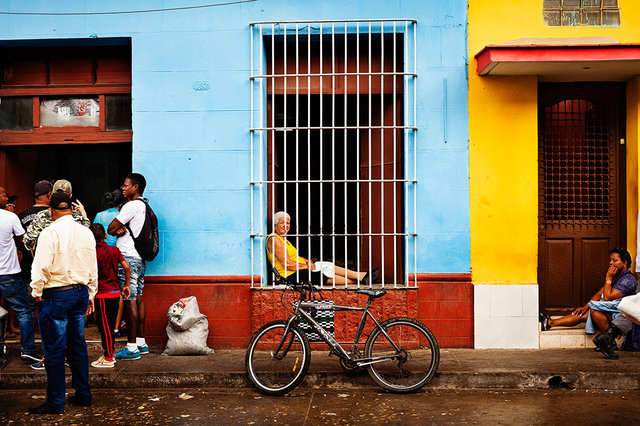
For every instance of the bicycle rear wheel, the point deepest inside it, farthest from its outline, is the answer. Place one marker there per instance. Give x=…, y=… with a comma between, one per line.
x=412, y=365
x=277, y=373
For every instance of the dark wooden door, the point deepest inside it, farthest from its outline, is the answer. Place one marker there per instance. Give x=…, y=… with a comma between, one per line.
x=581, y=190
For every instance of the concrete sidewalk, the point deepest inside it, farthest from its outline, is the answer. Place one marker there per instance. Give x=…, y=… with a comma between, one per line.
x=459, y=369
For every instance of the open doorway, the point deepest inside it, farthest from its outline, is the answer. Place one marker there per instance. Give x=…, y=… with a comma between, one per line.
x=92, y=170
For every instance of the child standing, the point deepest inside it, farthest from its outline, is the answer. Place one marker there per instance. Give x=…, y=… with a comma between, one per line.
x=108, y=295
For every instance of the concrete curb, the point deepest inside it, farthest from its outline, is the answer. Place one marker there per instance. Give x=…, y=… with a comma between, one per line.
x=459, y=380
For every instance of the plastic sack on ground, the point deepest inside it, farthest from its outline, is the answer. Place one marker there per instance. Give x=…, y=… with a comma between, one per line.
x=630, y=306
x=187, y=330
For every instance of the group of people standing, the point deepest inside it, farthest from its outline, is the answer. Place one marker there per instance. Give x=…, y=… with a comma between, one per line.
x=73, y=268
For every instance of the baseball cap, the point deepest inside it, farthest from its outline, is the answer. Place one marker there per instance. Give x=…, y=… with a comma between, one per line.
x=60, y=201
x=42, y=188
x=62, y=185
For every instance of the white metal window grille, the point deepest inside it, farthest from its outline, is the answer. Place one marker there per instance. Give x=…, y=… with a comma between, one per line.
x=333, y=143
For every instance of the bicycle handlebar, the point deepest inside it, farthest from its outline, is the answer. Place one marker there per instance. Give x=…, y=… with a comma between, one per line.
x=302, y=287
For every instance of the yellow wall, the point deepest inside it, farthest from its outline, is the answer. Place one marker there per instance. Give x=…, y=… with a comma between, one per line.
x=503, y=146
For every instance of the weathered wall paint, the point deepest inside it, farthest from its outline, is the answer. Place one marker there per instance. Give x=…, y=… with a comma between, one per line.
x=503, y=153
x=193, y=144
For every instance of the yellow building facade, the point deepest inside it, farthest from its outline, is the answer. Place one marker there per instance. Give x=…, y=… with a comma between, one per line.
x=553, y=126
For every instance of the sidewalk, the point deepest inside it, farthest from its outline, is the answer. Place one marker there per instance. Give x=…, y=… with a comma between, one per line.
x=459, y=369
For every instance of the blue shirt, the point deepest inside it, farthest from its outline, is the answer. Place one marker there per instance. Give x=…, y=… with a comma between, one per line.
x=625, y=283
x=104, y=218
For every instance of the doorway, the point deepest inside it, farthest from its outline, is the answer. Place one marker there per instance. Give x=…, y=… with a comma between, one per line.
x=581, y=214
x=92, y=170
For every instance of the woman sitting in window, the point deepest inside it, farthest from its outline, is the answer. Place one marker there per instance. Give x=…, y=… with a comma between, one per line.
x=602, y=308
x=283, y=256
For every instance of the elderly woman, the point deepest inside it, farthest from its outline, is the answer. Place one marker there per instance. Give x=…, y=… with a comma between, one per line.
x=283, y=256
x=602, y=308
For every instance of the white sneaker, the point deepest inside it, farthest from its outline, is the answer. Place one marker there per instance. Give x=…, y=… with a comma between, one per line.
x=103, y=363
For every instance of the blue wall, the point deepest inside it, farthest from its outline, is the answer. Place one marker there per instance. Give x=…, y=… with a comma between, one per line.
x=193, y=145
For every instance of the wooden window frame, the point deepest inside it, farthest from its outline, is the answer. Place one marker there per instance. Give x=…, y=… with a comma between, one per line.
x=100, y=84
x=581, y=9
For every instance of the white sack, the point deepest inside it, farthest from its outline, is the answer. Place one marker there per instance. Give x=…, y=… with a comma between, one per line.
x=630, y=306
x=187, y=330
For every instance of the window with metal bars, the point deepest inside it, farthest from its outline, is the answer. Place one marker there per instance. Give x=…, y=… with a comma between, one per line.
x=333, y=143
x=577, y=163
x=571, y=13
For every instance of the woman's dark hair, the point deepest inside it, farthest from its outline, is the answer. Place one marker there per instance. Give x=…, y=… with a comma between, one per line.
x=624, y=255
x=112, y=198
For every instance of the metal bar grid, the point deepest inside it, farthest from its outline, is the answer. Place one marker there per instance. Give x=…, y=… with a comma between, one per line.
x=328, y=135
x=576, y=180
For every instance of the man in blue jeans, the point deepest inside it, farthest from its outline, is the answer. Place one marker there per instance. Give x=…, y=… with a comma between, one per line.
x=64, y=281
x=11, y=284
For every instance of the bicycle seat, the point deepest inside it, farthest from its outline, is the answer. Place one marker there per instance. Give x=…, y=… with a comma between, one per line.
x=372, y=292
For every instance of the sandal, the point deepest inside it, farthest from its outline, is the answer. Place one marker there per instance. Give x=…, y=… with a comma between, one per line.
x=544, y=322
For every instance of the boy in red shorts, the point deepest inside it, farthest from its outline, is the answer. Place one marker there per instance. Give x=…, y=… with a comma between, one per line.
x=108, y=296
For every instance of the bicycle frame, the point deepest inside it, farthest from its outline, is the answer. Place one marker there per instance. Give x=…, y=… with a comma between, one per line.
x=301, y=311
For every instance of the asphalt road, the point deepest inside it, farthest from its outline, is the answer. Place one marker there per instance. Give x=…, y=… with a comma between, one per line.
x=333, y=406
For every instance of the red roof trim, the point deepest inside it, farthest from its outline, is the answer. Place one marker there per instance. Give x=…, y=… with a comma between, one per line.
x=490, y=55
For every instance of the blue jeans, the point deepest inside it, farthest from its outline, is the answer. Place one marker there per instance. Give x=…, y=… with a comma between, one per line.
x=61, y=315
x=14, y=292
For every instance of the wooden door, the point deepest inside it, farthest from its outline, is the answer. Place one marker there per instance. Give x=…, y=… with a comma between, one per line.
x=581, y=190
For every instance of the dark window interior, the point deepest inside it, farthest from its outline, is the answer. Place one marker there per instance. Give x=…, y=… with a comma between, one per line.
x=16, y=113
x=118, y=112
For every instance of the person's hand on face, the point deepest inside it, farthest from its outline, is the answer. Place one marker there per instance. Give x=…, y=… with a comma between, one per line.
x=616, y=265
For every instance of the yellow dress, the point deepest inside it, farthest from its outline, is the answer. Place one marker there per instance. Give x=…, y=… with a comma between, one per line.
x=292, y=253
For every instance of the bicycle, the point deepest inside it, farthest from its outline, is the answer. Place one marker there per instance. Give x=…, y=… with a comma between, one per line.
x=401, y=354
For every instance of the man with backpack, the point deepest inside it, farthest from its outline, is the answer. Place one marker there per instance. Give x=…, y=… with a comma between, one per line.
x=136, y=227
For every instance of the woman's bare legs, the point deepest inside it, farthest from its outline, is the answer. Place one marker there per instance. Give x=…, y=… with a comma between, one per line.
x=569, y=320
x=345, y=276
x=601, y=319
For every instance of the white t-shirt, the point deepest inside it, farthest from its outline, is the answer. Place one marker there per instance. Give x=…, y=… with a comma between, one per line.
x=133, y=214
x=10, y=227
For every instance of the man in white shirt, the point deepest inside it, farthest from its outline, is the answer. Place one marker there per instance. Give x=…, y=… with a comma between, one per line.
x=11, y=285
x=64, y=281
x=130, y=221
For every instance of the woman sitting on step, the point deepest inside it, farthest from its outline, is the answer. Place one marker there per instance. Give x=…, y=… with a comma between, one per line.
x=283, y=256
x=602, y=307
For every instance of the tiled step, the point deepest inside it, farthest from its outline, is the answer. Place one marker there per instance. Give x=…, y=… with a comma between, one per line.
x=567, y=338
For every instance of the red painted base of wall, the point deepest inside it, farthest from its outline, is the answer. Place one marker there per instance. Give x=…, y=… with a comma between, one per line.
x=226, y=304
x=445, y=305
x=443, y=302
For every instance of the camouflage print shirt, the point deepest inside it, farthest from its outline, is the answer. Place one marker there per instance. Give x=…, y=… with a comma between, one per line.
x=41, y=221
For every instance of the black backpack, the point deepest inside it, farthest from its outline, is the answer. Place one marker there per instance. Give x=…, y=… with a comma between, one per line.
x=147, y=243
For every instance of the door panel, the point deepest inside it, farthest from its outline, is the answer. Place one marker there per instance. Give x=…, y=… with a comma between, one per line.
x=581, y=192
x=595, y=261
x=560, y=253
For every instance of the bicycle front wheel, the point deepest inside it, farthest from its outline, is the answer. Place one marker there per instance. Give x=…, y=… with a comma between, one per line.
x=409, y=365
x=277, y=372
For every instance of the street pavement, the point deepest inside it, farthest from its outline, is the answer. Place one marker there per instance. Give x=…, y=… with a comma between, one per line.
x=199, y=406
x=580, y=369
